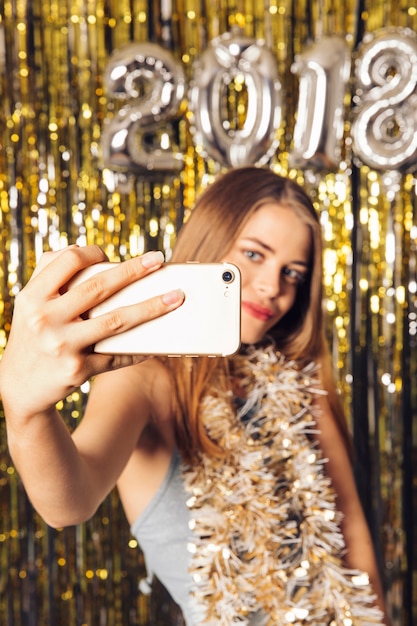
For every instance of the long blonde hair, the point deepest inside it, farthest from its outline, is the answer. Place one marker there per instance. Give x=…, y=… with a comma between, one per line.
x=215, y=223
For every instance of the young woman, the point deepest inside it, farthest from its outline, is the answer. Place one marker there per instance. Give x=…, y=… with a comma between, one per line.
x=234, y=473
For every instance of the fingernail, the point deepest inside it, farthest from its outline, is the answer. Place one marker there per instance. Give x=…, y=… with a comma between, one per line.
x=172, y=297
x=152, y=259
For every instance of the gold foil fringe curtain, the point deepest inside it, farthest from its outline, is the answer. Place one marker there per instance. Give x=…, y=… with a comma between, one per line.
x=54, y=106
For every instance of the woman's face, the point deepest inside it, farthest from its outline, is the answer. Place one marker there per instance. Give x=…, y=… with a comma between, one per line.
x=273, y=253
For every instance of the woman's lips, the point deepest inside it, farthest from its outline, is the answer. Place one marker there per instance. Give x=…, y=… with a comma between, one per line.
x=257, y=311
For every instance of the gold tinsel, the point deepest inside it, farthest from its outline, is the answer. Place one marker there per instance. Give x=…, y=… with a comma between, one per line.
x=266, y=544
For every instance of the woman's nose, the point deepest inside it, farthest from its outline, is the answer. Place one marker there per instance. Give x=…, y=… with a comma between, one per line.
x=269, y=284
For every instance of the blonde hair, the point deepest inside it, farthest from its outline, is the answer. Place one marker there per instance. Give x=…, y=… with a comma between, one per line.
x=215, y=223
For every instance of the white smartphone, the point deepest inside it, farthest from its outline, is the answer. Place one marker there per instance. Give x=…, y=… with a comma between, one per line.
x=207, y=323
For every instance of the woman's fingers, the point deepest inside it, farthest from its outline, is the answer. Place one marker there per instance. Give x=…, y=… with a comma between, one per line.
x=93, y=330
x=68, y=299
x=57, y=300
x=99, y=363
x=53, y=266
x=100, y=281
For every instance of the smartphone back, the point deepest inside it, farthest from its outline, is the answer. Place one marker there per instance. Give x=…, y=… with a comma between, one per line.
x=207, y=323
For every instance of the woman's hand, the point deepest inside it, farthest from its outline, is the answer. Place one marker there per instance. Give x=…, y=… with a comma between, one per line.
x=49, y=351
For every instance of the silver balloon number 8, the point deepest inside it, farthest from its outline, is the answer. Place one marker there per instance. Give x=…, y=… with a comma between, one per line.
x=384, y=130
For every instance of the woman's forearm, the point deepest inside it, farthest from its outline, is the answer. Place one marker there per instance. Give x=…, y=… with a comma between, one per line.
x=54, y=474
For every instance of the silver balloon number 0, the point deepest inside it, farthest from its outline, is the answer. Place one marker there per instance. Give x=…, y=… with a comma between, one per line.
x=150, y=83
x=384, y=130
x=235, y=101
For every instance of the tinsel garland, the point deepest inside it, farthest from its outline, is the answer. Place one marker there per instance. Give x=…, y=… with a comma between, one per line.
x=267, y=546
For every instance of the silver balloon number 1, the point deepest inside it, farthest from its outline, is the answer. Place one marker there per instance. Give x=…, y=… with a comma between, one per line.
x=323, y=70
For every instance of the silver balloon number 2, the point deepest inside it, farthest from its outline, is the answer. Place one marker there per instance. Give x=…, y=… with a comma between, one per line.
x=323, y=70
x=150, y=83
x=384, y=129
x=236, y=63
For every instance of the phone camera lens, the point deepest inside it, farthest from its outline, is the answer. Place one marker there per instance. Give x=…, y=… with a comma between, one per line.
x=228, y=276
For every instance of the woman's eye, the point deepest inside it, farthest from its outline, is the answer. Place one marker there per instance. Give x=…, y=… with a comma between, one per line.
x=294, y=276
x=252, y=255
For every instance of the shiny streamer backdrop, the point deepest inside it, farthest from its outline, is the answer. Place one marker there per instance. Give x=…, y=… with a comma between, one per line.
x=64, y=179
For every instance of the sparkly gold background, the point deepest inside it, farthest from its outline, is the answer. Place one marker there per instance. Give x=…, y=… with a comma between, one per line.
x=53, y=104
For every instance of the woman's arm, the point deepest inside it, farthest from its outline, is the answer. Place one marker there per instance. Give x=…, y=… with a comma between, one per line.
x=48, y=355
x=360, y=551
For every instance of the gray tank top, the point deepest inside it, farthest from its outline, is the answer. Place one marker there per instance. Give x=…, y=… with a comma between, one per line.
x=162, y=532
